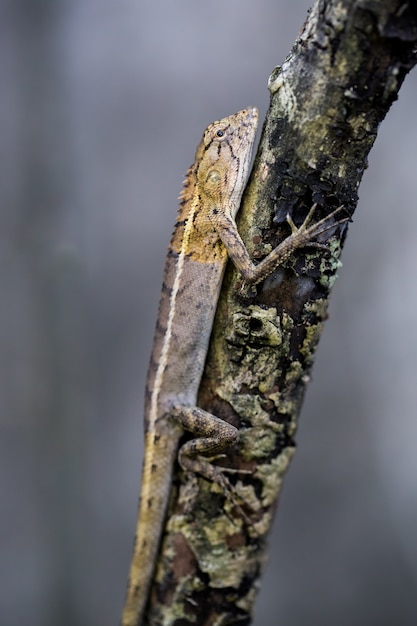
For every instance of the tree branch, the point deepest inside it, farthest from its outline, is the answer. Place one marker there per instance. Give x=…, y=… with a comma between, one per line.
x=327, y=101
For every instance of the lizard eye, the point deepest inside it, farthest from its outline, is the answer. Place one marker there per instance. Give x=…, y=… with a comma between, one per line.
x=220, y=133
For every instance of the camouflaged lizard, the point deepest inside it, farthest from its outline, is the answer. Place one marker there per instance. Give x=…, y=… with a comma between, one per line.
x=205, y=236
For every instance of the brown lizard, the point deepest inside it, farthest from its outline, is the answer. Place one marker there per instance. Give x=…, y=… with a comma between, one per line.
x=205, y=236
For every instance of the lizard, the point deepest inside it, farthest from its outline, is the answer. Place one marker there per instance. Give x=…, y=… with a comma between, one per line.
x=204, y=237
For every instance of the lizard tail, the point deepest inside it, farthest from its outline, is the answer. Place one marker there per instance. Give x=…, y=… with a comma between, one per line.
x=156, y=484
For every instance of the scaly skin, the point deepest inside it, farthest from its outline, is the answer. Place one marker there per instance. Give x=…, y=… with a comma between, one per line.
x=193, y=273
x=204, y=237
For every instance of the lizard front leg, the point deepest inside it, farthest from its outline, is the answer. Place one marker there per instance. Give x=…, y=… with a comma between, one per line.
x=300, y=237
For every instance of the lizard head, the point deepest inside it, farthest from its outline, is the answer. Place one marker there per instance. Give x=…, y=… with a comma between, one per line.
x=223, y=158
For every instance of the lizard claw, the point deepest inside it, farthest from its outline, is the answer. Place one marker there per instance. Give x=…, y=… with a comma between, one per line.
x=323, y=225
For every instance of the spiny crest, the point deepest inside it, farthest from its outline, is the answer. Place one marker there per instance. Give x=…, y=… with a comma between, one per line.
x=186, y=197
x=188, y=185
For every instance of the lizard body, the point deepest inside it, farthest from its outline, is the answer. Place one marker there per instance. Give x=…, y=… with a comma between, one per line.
x=204, y=237
x=192, y=279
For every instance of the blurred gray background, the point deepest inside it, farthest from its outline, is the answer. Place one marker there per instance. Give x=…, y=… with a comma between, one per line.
x=102, y=104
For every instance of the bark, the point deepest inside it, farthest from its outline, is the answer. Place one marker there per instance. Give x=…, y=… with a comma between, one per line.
x=327, y=101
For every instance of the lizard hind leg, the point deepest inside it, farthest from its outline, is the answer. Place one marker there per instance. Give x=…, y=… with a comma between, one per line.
x=214, y=436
